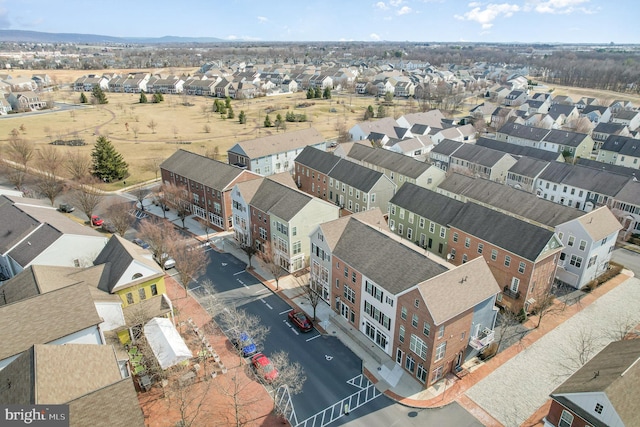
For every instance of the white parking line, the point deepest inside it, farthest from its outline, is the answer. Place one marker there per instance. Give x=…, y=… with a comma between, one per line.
x=265, y=291
x=313, y=338
x=239, y=272
x=286, y=311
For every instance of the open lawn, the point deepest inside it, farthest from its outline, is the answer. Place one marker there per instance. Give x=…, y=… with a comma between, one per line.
x=128, y=124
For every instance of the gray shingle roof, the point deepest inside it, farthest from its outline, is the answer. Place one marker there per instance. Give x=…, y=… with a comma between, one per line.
x=426, y=203
x=518, y=150
x=480, y=155
x=610, y=128
x=522, y=131
x=318, y=160
x=45, y=318
x=15, y=224
x=211, y=173
x=507, y=232
x=597, y=181
x=384, y=260
x=518, y=202
x=35, y=244
x=447, y=147
x=620, y=170
x=527, y=166
x=562, y=137
x=279, y=200
x=614, y=371
x=115, y=405
x=392, y=161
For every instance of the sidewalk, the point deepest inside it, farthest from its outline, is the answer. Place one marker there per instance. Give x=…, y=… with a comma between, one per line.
x=390, y=378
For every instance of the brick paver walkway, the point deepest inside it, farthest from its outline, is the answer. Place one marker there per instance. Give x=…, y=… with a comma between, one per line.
x=208, y=403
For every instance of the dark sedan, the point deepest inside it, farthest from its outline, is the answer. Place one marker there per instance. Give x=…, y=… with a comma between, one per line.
x=301, y=320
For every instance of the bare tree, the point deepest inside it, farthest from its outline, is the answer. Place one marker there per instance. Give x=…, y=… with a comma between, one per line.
x=178, y=197
x=20, y=150
x=206, y=128
x=160, y=197
x=578, y=350
x=507, y=321
x=87, y=197
x=140, y=193
x=190, y=262
x=152, y=125
x=213, y=153
x=309, y=293
x=50, y=186
x=624, y=329
x=152, y=165
x=78, y=165
x=158, y=235
x=272, y=260
x=118, y=214
x=250, y=251
x=545, y=306
x=189, y=400
x=290, y=373
x=136, y=130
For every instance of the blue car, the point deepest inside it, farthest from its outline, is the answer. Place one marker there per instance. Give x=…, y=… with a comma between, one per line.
x=245, y=345
x=141, y=243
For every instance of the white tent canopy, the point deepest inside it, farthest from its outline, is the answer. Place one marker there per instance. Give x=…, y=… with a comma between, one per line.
x=166, y=343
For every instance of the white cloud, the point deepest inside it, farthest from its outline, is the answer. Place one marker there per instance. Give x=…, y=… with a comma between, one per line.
x=245, y=38
x=380, y=5
x=395, y=3
x=374, y=36
x=557, y=6
x=404, y=10
x=232, y=37
x=262, y=19
x=486, y=16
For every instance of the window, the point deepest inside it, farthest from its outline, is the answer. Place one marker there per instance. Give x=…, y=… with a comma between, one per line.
x=494, y=254
x=566, y=419
x=507, y=260
x=560, y=235
x=571, y=240
x=142, y=294
x=353, y=277
x=403, y=313
x=409, y=233
x=346, y=272
x=464, y=258
x=455, y=237
x=521, y=267
x=583, y=245
x=349, y=294
x=297, y=247
x=515, y=282
x=401, y=333
x=599, y=408
x=410, y=364
x=480, y=248
x=401, y=213
x=421, y=373
x=263, y=233
x=441, y=331
x=421, y=223
x=416, y=303
x=411, y=217
x=373, y=198
x=294, y=231
x=427, y=329
x=437, y=374
x=592, y=260
x=129, y=298
x=467, y=242
x=393, y=209
x=576, y=261
x=441, y=349
x=443, y=232
x=418, y=347
x=432, y=227
x=414, y=320
x=400, y=229
x=154, y=290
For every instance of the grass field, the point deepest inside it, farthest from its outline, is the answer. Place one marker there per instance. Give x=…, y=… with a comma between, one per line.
x=126, y=123
x=195, y=127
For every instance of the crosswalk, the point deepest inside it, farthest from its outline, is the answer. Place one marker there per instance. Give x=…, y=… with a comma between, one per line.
x=139, y=214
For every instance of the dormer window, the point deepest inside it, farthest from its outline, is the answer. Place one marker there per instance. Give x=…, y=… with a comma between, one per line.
x=136, y=276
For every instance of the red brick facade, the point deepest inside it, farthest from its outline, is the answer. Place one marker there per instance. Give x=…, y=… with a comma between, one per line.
x=345, y=293
x=534, y=279
x=555, y=412
x=260, y=220
x=312, y=182
x=455, y=335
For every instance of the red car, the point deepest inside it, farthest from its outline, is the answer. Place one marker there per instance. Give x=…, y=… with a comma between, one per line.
x=301, y=320
x=96, y=220
x=264, y=367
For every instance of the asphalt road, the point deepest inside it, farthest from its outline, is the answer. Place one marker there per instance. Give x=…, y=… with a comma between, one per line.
x=629, y=259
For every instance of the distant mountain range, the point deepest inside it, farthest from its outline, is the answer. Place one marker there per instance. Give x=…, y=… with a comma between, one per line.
x=39, y=37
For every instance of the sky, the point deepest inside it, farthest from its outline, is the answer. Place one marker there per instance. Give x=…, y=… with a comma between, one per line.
x=526, y=21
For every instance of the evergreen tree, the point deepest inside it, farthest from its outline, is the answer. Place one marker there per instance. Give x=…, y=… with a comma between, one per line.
x=369, y=114
x=267, y=122
x=83, y=98
x=227, y=102
x=107, y=164
x=242, y=118
x=143, y=98
x=310, y=93
x=99, y=96
x=157, y=97
x=327, y=93
x=382, y=112
x=317, y=93
x=230, y=113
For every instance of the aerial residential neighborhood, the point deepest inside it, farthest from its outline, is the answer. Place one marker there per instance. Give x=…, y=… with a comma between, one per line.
x=312, y=235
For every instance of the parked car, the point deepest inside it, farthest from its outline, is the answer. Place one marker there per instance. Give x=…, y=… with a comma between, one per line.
x=108, y=227
x=301, y=320
x=141, y=243
x=245, y=345
x=66, y=207
x=165, y=261
x=264, y=368
x=96, y=220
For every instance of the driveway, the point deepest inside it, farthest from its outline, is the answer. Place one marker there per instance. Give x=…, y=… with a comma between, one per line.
x=520, y=386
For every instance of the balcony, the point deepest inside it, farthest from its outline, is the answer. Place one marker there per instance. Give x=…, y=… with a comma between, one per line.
x=509, y=293
x=485, y=338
